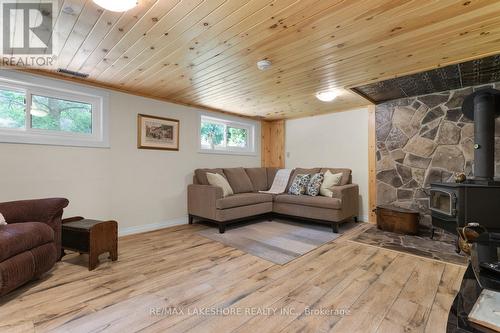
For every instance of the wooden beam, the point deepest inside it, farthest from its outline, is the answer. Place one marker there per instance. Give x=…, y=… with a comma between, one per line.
x=273, y=143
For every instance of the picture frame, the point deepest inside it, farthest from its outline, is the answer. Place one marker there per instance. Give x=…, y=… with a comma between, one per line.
x=158, y=133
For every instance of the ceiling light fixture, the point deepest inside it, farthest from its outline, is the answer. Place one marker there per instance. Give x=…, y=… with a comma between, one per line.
x=264, y=64
x=117, y=5
x=326, y=96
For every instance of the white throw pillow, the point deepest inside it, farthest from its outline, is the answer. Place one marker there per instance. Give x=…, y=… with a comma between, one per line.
x=218, y=180
x=330, y=180
x=2, y=220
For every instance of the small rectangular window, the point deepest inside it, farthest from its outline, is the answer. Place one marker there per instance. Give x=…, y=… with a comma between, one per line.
x=226, y=135
x=45, y=111
x=56, y=114
x=12, y=108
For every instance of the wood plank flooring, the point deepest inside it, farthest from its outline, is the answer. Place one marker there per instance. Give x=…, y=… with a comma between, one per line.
x=173, y=280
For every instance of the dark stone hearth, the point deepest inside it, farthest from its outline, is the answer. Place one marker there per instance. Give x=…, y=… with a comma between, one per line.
x=422, y=140
x=433, y=100
x=390, y=177
x=433, y=114
x=442, y=248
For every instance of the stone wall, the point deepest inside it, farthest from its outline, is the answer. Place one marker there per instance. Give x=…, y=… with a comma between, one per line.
x=421, y=140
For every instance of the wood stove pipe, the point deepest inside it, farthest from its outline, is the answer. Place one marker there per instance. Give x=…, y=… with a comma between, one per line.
x=483, y=106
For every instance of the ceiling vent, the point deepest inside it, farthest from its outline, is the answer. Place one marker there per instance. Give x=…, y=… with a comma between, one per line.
x=72, y=73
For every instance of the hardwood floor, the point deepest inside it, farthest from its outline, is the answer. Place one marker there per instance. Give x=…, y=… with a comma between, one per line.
x=167, y=281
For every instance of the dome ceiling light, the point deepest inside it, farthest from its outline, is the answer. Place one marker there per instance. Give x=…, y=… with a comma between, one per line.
x=326, y=96
x=117, y=5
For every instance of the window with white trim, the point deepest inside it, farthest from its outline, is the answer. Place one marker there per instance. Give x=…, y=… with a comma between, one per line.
x=226, y=135
x=45, y=114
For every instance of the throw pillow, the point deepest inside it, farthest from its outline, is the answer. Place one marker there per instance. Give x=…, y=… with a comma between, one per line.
x=314, y=184
x=2, y=220
x=330, y=180
x=218, y=180
x=299, y=184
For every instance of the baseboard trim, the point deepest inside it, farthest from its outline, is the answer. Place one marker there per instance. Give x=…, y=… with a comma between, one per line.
x=153, y=226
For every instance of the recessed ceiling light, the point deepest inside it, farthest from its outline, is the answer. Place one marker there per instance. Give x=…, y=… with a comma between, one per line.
x=326, y=96
x=264, y=65
x=117, y=5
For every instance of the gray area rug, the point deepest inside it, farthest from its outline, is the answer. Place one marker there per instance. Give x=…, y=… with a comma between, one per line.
x=276, y=241
x=442, y=247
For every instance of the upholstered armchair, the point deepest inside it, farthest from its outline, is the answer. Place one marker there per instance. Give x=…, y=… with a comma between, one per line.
x=30, y=242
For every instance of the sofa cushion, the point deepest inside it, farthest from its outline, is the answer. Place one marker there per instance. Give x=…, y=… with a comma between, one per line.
x=300, y=171
x=201, y=175
x=20, y=237
x=329, y=181
x=314, y=184
x=299, y=184
x=258, y=177
x=305, y=200
x=346, y=174
x=239, y=180
x=243, y=199
x=218, y=180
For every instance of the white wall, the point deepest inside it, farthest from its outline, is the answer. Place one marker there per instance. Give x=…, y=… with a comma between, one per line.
x=139, y=188
x=333, y=140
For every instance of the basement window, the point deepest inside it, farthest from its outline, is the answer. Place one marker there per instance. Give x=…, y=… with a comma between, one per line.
x=226, y=135
x=38, y=111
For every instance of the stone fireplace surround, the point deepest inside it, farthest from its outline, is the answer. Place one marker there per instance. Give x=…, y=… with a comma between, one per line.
x=421, y=140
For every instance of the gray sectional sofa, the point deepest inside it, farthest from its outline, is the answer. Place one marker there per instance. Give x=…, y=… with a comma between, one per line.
x=206, y=202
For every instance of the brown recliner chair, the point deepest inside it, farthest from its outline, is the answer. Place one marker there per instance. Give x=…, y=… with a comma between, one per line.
x=30, y=243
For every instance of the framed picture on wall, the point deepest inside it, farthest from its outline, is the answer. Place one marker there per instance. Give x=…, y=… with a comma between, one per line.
x=157, y=133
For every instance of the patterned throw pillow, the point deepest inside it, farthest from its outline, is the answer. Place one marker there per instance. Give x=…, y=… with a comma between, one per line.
x=314, y=184
x=299, y=184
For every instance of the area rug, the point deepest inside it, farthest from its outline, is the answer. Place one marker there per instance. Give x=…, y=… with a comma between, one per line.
x=442, y=247
x=276, y=241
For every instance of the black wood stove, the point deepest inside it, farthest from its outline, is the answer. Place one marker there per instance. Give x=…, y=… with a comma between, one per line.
x=476, y=200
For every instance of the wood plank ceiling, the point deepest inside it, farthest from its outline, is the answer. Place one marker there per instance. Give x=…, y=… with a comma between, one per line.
x=204, y=52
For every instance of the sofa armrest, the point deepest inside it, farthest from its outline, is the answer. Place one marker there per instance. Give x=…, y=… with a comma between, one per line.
x=345, y=191
x=47, y=211
x=202, y=200
x=41, y=210
x=349, y=195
